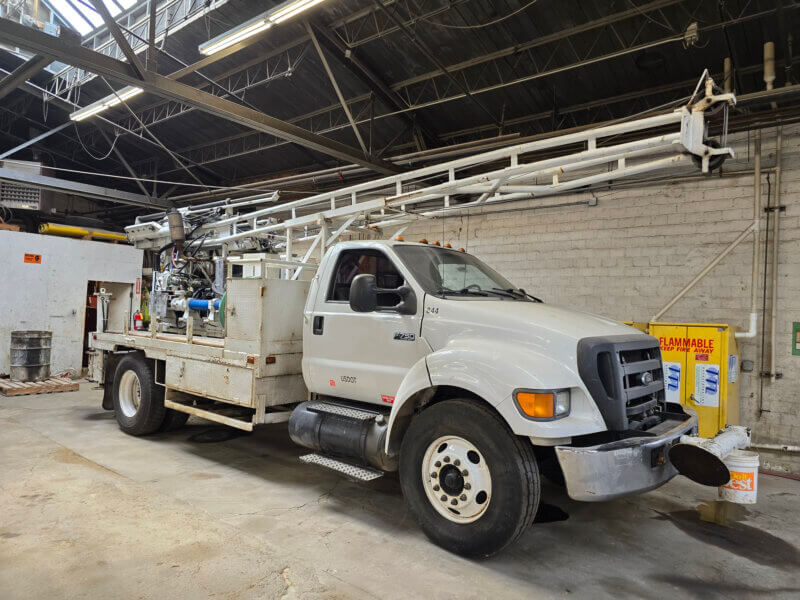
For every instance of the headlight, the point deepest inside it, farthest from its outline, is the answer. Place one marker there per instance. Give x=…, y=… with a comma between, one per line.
x=543, y=405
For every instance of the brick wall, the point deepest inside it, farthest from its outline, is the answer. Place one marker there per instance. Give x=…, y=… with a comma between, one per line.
x=629, y=254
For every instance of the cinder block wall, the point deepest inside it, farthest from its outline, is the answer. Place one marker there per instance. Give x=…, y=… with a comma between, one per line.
x=627, y=256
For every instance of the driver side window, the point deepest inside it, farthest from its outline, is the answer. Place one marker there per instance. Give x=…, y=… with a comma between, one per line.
x=360, y=262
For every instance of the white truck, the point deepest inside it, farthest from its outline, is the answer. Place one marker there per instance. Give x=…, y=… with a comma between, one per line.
x=397, y=356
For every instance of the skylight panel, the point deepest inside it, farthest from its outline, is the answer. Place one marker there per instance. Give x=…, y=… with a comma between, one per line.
x=73, y=18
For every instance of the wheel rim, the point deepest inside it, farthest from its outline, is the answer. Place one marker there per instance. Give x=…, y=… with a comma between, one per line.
x=130, y=393
x=456, y=479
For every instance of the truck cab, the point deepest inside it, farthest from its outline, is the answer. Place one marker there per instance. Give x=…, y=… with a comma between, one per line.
x=422, y=332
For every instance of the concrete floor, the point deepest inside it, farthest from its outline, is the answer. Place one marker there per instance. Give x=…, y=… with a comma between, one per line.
x=89, y=512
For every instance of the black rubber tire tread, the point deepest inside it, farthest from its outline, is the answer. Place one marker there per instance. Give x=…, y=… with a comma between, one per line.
x=173, y=419
x=516, y=486
x=151, y=411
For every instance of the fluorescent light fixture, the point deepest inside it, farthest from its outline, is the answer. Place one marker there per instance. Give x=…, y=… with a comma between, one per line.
x=229, y=38
x=104, y=103
x=257, y=24
x=123, y=94
x=290, y=9
x=86, y=112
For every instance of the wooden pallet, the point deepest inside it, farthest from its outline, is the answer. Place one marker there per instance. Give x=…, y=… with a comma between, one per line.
x=49, y=386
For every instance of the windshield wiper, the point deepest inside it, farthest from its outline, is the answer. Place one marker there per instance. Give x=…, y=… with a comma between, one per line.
x=462, y=292
x=532, y=297
x=505, y=294
x=517, y=293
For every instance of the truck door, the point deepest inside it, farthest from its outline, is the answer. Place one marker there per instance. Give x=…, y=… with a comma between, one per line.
x=360, y=356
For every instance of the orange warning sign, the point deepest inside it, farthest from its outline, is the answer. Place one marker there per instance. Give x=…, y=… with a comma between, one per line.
x=35, y=259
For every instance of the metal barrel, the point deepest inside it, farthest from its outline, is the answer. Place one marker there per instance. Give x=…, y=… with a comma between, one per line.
x=30, y=355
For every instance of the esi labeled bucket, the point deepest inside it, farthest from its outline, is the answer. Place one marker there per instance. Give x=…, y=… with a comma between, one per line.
x=743, y=485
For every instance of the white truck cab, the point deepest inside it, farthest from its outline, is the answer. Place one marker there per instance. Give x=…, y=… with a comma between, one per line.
x=407, y=326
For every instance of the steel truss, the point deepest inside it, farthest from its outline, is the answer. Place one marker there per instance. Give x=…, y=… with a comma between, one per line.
x=488, y=73
x=171, y=16
x=661, y=142
x=259, y=73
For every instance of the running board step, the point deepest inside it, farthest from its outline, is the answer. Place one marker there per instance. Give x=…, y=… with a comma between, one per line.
x=350, y=412
x=231, y=421
x=353, y=471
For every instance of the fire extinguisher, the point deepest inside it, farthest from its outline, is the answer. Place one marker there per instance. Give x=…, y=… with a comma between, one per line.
x=138, y=321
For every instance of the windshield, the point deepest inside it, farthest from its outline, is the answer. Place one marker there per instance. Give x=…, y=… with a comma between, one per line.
x=441, y=271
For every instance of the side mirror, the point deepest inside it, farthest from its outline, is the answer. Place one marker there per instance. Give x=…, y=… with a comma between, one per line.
x=364, y=293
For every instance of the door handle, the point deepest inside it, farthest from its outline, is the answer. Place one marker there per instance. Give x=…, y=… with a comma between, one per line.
x=317, y=325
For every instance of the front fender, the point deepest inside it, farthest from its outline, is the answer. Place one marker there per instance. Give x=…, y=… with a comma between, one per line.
x=492, y=370
x=415, y=382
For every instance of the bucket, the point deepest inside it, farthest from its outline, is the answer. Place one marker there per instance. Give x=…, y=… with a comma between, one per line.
x=743, y=485
x=30, y=355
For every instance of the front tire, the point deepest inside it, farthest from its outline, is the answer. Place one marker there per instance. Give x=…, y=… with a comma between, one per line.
x=138, y=400
x=472, y=485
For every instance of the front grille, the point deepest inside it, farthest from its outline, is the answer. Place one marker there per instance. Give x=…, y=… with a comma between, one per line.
x=624, y=375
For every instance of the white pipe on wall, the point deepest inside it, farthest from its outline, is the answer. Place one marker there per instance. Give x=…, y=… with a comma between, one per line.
x=751, y=332
x=773, y=313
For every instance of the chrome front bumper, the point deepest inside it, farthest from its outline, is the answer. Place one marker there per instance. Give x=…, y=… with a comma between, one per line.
x=624, y=467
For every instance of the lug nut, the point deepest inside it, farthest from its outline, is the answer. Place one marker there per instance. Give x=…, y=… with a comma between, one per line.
x=443, y=498
x=446, y=459
x=465, y=473
x=463, y=497
x=436, y=488
x=437, y=464
x=467, y=486
x=456, y=462
x=434, y=475
x=453, y=501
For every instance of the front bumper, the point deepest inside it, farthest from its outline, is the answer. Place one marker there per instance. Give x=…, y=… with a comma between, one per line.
x=624, y=467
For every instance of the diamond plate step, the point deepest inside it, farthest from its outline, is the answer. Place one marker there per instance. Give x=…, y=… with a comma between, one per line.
x=343, y=411
x=354, y=471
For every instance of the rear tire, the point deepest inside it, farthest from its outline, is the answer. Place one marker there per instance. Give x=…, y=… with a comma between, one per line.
x=138, y=400
x=497, y=499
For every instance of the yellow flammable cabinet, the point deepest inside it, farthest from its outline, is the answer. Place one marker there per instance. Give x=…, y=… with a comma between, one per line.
x=701, y=371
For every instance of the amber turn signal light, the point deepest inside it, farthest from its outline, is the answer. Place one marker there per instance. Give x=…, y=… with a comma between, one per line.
x=536, y=405
x=543, y=405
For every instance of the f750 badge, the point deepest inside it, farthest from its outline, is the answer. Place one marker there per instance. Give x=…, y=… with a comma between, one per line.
x=405, y=337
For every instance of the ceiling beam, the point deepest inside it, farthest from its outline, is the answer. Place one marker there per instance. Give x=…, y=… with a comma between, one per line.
x=108, y=126
x=336, y=88
x=395, y=15
x=123, y=44
x=353, y=63
x=81, y=189
x=34, y=140
x=87, y=59
x=34, y=65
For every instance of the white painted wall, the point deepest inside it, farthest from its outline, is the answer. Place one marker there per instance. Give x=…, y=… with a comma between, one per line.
x=51, y=296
